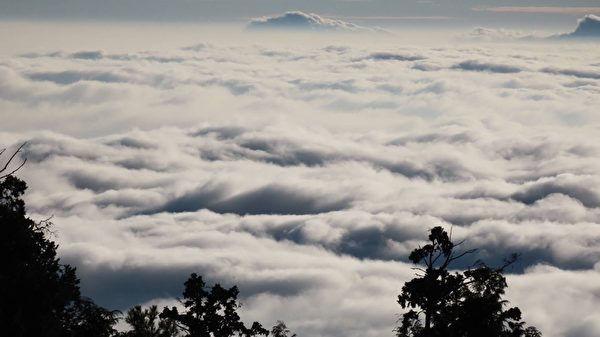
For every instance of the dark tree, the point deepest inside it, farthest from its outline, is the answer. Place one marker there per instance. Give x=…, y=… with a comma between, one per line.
x=281, y=330
x=210, y=313
x=454, y=304
x=147, y=323
x=86, y=319
x=39, y=296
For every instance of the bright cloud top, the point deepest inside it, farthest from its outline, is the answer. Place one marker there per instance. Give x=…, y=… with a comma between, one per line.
x=587, y=27
x=296, y=20
x=306, y=174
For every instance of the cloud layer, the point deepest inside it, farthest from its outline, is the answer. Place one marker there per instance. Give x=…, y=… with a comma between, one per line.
x=587, y=27
x=296, y=20
x=306, y=174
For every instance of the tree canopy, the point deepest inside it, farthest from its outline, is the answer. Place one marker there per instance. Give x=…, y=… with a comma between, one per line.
x=39, y=296
x=280, y=329
x=442, y=303
x=211, y=313
x=147, y=323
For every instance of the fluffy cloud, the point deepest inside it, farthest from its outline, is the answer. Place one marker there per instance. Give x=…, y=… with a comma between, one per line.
x=495, y=34
x=306, y=21
x=307, y=174
x=587, y=27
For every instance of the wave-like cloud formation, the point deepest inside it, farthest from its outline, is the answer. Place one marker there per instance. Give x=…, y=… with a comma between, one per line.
x=296, y=20
x=306, y=175
x=587, y=27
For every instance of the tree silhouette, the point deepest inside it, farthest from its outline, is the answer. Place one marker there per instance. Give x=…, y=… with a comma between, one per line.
x=281, y=330
x=39, y=296
x=210, y=313
x=147, y=323
x=86, y=319
x=467, y=304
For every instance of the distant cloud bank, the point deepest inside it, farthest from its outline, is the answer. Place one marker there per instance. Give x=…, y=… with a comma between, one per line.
x=587, y=27
x=300, y=21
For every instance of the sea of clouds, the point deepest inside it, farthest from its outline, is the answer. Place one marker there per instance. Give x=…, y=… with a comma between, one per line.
x=306, y=174
x=296, y=20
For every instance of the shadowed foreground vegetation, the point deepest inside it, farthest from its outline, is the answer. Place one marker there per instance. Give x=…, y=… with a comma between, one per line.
x=456, y=304
x=40, y=297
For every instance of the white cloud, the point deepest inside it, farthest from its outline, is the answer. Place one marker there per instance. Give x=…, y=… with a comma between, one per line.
x=296, y=20
x=306, y=173
x=588, y=27
x=495, y=34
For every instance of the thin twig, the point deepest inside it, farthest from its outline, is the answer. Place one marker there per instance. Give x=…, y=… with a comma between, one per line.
x=10, y=160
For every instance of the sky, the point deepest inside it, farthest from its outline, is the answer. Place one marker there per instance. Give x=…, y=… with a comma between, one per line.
x=530, y=13
x=303, y=156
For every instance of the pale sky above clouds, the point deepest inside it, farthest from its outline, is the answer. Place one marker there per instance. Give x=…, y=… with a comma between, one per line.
x=390, y=12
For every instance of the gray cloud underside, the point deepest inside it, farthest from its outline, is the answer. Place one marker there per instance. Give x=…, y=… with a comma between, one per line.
x=586, y=30
x=300, y=21
x=587, y=27
x=306, y=175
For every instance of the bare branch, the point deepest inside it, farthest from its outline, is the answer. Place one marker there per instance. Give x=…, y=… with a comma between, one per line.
x=436, y=258
x=447, y=261
x=508, y=262
x=15, y=170
x=470, y=251
x=45, y=225
x=10, y=160
x=459, y=243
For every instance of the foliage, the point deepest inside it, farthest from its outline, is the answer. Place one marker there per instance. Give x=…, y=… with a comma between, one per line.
x=467, y=304
x=280, y=330
x=147, y=323
x=86, y=319
x=39, y=296
x=211, y=313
